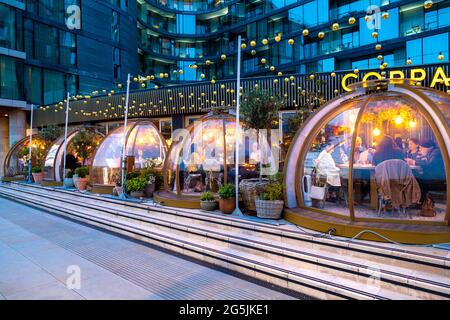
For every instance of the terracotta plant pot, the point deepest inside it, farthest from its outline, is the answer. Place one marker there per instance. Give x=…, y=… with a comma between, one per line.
x=137, y=194
x=82, y=183
x=38, y=177
x=227, y=205
x=208, y=205
x=149, y=190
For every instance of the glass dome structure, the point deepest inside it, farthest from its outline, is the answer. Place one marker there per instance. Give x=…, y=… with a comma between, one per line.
x=54, y=160
x=202, y=157
x=373, y=155
x=144, y=144
x=16, y=161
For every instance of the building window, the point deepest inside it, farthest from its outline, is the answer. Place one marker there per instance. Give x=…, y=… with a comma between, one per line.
x=10, y=28
x=116, y=64
x=115, y=26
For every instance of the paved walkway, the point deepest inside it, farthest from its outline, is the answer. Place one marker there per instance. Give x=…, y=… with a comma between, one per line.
x=41, y=253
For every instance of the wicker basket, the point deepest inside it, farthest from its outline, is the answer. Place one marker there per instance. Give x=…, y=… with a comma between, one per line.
x=269, y=209
x=249, y=189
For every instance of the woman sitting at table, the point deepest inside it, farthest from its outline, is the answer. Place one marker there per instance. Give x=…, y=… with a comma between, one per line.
x=413, y=149
x=387, y=150
x=430, y=161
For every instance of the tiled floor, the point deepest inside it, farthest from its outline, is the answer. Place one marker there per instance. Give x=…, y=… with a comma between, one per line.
x=36, y=250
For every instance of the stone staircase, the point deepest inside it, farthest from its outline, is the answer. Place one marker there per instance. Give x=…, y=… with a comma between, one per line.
x=284, y=255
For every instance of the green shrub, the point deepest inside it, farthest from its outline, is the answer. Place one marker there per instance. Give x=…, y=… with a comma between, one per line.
x=82, y=172
x=70, y=174
x=272, y=192
x=36, y=169
x=227, y=191
x=135, y=185
x=133, y=175
x=207, y=196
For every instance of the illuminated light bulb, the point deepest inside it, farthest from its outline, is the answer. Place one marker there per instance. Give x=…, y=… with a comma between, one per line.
x=292, y=78
x=376, y=132
x=378, y=47
x=135, y=79
x=166, y=75
x=409, y=61
x=195, y=66
x=367, y=18
x=272, y=68
x=333, y=74
x=280, y=74
x=252, y=43
x=278, y=38
x=276, y=81
x=312, y=76
x=243, y=46
x=120, y=86
x=375, y=34
x=336, y=91
x=428, y=4
x=356, y=71
x=385, y=15
x=305, y=32
x=321, y=35
x=223, y=57
x=202, y=76
x=161, y=75
x=351, y=20
x=380, y=57
x=143, y=85
x=265, y=41
x=213, y=81
x=335, y=26
x=440, y=56
x=412, y=123
x=291, y=42
x=286, y=80
x=263, y=61
x=181, y=71
x=253, y=52
x=398, y=120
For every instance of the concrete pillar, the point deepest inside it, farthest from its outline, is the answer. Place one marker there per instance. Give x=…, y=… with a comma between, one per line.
x=17, y=126
x=4, y=142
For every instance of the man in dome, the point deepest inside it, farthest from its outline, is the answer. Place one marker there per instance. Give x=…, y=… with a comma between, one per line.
x=430, y=161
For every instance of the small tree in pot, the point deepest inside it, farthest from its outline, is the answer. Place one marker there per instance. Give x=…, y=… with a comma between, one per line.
x=82, y=173
x=207, y=201
x=227, y=201
x=37, y=173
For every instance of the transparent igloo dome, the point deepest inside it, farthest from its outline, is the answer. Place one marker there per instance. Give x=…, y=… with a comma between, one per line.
x=376, y=153
x=144, y=144
x=202, y=157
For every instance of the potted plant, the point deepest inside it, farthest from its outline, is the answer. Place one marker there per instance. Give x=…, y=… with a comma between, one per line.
x=269, y=203
x=207, y=201
x=68, y=180
x=135, y=187
x=83, y=179
x=150, y=186
x=37, y=173
x=227, y=201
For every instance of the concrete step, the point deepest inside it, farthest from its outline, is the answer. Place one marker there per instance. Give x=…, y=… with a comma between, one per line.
x=353, y=272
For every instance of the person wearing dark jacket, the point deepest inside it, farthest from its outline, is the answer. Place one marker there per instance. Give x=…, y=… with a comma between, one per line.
x=387, y=150
x=430, y=161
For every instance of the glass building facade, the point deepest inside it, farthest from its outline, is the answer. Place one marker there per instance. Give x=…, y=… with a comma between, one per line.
x=51, y=47
x=47, y=48
x=176, y=35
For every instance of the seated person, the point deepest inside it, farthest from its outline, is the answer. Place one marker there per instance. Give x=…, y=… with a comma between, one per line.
x=430, y=161
x=326, y=166
x=413, y=149
x=387, y=150
x=359, y=149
